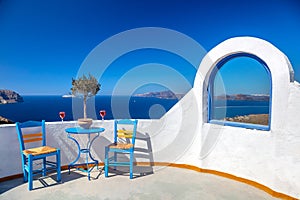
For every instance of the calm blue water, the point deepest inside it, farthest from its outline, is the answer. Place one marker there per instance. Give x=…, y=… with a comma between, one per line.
x=234, y=108
x=48, y=107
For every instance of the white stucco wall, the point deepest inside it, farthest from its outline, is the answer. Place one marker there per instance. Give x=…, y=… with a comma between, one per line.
x=182, y=135
x=271, y=158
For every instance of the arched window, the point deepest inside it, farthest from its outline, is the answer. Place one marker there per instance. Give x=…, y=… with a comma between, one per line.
x=239, y=92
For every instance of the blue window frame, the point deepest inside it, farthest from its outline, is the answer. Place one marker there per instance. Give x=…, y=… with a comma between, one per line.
x=212, y=99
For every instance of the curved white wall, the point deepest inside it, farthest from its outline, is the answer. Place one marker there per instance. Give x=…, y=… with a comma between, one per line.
x=271, y=158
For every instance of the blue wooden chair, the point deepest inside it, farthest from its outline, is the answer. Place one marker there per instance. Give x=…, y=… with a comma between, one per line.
x=124, y=140
x=32, y=139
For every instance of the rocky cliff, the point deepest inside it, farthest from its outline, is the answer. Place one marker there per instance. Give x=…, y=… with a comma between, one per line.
x=5, y=121
x=9, y=96
x=262, y=119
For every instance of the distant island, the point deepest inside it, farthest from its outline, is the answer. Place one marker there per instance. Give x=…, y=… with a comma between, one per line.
x=162, y=95
x=244, y=97
x=9, y=96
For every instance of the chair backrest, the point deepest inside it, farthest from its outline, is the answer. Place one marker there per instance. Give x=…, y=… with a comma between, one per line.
x=125, y=128
x=31, y=132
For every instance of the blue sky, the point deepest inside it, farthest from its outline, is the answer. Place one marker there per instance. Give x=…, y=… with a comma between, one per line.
x=249, y=75
x=44, y=43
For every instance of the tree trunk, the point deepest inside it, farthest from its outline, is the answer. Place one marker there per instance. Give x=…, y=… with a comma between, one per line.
x=84, y=107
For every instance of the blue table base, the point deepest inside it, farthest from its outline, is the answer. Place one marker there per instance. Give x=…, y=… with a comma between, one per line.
x=84, y=167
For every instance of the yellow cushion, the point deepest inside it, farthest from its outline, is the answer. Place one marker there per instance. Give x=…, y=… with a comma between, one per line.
x=39, y=150
x=125, y=131
x=125, y=134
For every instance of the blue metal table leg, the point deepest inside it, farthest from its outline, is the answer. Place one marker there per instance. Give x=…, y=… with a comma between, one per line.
x=79, y=152
x=89, y=147
x=86, y=151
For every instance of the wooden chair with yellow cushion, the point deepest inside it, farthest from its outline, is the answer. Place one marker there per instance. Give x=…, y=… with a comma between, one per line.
x=124, y=140
x=32, y=139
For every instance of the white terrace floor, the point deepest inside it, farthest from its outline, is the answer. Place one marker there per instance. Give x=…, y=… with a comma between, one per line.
x=165, y=183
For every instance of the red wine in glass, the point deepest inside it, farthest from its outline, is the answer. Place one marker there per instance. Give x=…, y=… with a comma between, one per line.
x=62, y=116
x=102, y=114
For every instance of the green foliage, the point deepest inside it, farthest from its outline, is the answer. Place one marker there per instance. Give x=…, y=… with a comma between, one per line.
x=86, y=86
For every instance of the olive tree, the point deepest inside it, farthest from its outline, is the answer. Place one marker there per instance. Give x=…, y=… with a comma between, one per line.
x=86, y=87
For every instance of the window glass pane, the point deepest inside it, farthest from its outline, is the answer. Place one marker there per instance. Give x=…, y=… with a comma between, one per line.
x=240, y=92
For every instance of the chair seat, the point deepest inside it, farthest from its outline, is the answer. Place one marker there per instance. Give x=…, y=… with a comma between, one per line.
x=120, y=146
x=39, y=150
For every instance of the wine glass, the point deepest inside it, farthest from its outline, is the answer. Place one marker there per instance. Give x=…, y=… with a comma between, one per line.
x=102, y=114
x=62, y=116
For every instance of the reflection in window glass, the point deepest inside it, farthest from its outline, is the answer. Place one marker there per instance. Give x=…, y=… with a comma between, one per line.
x=240, y=92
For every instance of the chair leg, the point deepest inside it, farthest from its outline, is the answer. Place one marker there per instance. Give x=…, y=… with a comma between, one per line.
x=30, y=174
x=44, y=167
x=25, y=173
x=131, y=165
x=115, y=160
x=106, y=162
x=58, y=169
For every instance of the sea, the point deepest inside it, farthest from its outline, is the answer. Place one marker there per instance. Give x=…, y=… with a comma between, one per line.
x=233, y=108
x=117, y=107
